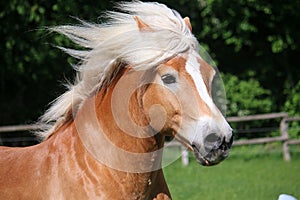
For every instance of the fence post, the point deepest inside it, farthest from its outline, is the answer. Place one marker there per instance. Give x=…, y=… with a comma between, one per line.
x=284, y=133
x=184, y=156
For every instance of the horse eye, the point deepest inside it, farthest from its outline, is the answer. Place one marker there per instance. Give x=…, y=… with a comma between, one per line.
x=168, y=79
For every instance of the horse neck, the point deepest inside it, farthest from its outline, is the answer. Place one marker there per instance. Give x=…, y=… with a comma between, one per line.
x=121, y=115
x=104, y=137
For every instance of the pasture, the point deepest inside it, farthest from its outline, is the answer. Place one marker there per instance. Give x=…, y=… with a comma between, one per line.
x=250, y=172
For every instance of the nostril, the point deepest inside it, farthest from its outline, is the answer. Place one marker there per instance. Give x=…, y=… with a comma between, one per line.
x=212, y=138
x=212, y=141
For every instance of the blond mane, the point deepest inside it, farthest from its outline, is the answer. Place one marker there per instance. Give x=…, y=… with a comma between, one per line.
x=117, y=40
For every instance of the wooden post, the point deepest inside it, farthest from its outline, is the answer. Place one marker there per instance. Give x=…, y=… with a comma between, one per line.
x=284, y=133
x=184, y=156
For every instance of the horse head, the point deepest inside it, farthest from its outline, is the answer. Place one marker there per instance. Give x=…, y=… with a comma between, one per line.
x=175, y=98
x=180, y=103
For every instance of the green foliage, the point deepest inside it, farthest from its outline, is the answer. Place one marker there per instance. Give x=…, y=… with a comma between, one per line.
x=30, y=66
x=292, y=106
x=245, y=97
x=236, y=22
x=253, y=35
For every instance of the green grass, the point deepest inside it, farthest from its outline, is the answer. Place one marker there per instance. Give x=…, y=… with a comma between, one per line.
x=253, y=172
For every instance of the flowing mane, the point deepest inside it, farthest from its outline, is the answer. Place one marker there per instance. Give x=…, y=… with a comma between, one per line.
x=109, y=45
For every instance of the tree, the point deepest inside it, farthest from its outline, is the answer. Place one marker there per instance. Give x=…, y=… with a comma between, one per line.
x=292, y=106
x=31, y=67
x=245, y=97
x=252, y=40
x=257, y=39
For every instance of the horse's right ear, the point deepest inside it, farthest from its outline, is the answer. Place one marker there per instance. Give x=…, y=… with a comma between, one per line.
x=142, y=25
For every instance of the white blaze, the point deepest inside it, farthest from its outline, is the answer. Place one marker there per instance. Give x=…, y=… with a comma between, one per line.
x=193, y=68
x=197, y=130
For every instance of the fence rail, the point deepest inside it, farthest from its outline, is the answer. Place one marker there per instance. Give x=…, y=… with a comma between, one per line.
x=283, y=128
x=257, y=117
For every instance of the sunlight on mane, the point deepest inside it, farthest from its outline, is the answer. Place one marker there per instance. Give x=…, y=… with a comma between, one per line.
x=109, y=44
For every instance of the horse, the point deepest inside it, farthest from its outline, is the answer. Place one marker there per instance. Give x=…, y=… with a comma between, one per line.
x=139, y=79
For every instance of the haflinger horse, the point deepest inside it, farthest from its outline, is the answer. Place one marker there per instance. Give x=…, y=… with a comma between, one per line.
x=140, y=78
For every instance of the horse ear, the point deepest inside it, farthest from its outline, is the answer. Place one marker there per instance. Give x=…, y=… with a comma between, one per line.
x=188, y=23
x=142, y=25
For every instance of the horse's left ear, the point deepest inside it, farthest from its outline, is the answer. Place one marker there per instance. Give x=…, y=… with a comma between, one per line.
x=142, y=25
x=188, y=23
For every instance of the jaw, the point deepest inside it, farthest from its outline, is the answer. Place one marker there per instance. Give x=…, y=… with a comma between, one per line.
x=214, y=157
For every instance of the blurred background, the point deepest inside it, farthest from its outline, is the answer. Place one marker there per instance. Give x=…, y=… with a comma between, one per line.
x=255, y=44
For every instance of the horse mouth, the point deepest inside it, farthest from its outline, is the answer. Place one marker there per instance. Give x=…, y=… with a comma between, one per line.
x=214, y=152
x=213, y=157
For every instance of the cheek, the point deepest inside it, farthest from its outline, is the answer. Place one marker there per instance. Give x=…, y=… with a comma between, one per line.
x=188, y=100
x=189, y=104
x=162, y=107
